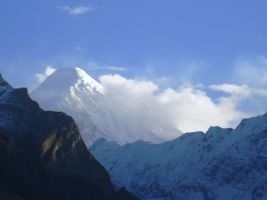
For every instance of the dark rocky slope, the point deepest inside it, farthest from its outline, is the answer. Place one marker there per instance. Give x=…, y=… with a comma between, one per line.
x=43, y=156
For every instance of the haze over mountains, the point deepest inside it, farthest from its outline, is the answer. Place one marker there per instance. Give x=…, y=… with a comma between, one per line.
x=99, y=112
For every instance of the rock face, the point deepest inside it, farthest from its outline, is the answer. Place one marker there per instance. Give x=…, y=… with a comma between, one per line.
x=43, y=156
x=220, y=164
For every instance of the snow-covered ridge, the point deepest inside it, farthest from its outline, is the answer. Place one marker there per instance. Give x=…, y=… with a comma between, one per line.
x=220, y=164
x=75, y=92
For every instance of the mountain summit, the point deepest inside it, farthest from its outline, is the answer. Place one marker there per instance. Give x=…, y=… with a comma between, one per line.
x=75, y=92
x=63, y=79
x=73, y=84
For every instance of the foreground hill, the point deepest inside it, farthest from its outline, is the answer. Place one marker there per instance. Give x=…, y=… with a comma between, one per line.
x=43, y=156
x=220, y=164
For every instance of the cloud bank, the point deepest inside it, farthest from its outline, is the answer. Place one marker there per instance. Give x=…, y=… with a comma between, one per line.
x=187, y=108
x=142, y=103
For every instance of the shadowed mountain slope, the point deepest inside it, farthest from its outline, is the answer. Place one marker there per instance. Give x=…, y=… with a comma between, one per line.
x=43, y=156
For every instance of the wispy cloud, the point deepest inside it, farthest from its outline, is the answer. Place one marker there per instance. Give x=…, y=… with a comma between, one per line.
x=91, y=65
x=110, y=68
x=80, y=48
x=251, y=100
x=47, y=72
x=78, y=10
x=251, y=71
x=232, y=89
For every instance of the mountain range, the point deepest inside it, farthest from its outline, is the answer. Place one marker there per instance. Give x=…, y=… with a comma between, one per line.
x=222, y=163
x=217, y=165
x=43, y=156
x=97, y=110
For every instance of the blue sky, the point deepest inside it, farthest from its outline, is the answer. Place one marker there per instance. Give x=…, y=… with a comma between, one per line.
x=171, y=42
x=166, y=36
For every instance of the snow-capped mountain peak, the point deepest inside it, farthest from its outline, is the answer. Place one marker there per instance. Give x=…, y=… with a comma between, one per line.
x=64, y=79
x=83, y=79
x=96, y=112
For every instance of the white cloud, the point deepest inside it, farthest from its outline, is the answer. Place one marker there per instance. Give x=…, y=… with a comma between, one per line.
x=187, y=108
x=79, y=10
x=110, y=68
x=47, y=72
x=249, y=99
x=91, y=65
x=237, y=90
x=252, y=71
x=241, y=91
